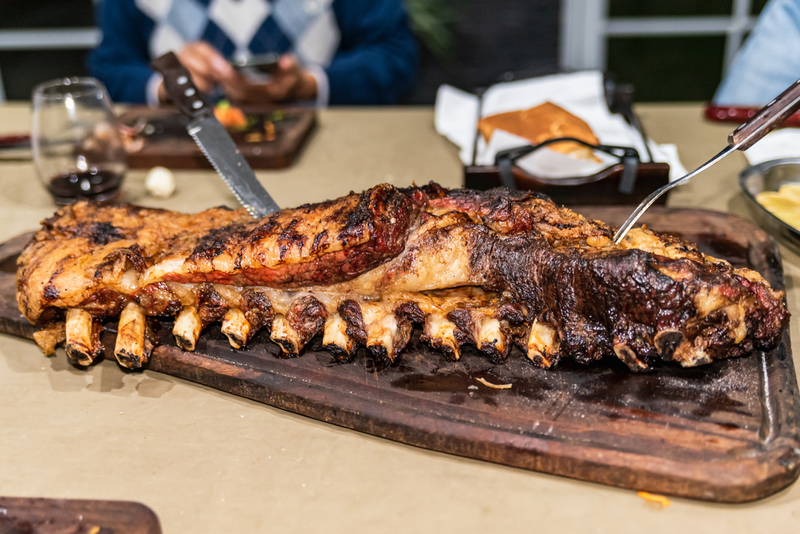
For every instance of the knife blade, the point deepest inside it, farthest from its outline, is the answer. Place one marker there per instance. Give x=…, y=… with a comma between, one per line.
x=213, y=139
x=216, y=143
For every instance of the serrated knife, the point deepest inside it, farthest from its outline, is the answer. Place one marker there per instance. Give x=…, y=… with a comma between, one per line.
x=212, y=138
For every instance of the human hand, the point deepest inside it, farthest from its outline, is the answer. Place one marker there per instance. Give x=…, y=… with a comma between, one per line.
x=206, y=65
x=287, y=82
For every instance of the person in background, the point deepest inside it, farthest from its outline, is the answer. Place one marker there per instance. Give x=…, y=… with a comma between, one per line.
x=768, y=62
x=332, y=51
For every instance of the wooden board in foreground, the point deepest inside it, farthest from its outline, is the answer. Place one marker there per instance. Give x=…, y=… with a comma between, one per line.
x=725, y=432
x=61, y=516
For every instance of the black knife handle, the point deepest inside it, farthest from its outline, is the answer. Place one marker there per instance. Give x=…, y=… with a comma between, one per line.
x=178, y=82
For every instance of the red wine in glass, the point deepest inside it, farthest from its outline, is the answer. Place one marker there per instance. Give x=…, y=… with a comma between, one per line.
x=93, y=184
x=78, y=150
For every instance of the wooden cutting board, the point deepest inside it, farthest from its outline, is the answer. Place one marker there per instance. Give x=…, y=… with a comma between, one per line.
x=725, y=432
x=62, y=516
x=169, y=145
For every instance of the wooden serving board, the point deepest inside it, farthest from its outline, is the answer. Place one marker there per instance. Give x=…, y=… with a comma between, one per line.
x=61, y=516
x=170, y=145
x=597, y=189
x=724, y=432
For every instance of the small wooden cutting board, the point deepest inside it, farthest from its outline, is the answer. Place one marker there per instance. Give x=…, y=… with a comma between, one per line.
x=170, y=146
x=725, y=432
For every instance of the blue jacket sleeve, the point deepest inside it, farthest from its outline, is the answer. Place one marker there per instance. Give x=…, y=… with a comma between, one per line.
x=376, y=62
x=768, y=62
x=122, y=60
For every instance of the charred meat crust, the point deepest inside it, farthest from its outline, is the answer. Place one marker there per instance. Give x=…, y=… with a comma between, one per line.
x=212, y=306
x=650, y=298
x=306, y=316
x=74, y=255
x=606, y=299
x=356, y=234
x=258, y=309
x=159, y=300
x=350, y=311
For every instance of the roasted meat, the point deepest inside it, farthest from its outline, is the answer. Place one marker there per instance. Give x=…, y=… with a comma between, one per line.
x=494, y=269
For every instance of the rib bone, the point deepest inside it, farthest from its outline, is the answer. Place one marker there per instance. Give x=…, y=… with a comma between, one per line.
x=543, y=345
x=285, y=336
x=667, y=341
x=628, y=356
x=490, y=337
x=187, y=328
x=303, y=320
x=380, y=335
x=236, y=327
x=130, y=349
x=387, y=334
x=79, y=328
x=335, y=338
x=440, y=333
x=490, y=262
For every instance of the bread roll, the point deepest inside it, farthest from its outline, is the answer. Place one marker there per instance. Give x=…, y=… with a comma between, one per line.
x=540, y=123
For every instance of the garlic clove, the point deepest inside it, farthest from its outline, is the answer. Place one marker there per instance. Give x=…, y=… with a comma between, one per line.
x=160, y=182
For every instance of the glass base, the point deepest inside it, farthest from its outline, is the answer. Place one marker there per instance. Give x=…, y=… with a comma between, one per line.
x=104, y=197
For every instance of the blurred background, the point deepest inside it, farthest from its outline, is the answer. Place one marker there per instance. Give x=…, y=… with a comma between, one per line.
x=674, y=50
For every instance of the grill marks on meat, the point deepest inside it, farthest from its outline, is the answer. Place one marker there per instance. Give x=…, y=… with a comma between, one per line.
x=66, y=263
x=494, y=269
x=310, y=245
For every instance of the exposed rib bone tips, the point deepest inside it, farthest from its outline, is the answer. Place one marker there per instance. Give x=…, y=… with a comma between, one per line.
x=543, y=344
x=440, y=334
x=335, y=338
x=79, y=337
x=187, y=328
x=236, y=327
x=285, y=336
x=387, y=334
x=130, y=349
x=381, y=331
x=628, y=356
x=667, y=341
x=488, y=269
x=490, y=338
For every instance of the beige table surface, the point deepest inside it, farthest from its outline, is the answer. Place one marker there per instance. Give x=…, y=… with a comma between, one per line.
x=207, y=461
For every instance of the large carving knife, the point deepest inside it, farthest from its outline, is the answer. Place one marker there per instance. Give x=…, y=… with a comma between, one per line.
x=212, y=138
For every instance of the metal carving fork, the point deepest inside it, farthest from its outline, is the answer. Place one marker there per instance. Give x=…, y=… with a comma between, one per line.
x=767, y=119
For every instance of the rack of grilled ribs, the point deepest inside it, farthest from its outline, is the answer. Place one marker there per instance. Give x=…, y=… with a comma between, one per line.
x=494, y=269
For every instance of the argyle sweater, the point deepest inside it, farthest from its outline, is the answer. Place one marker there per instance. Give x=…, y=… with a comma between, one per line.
x=361, y=51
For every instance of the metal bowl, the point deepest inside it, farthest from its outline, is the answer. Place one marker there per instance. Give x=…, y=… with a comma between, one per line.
x=770, y=176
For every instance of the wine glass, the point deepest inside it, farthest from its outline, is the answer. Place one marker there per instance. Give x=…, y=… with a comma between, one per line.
x=78, y=150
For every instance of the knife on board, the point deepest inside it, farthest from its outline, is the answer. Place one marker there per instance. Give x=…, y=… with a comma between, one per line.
x=212, y=138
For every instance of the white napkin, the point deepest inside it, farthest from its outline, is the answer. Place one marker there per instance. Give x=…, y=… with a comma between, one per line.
x=784, y=143
x=580, y=93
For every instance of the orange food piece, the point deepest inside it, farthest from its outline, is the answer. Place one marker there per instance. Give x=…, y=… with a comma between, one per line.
x=658, y=499
x=269, y=131
x=543, y=122
x=231, y=117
